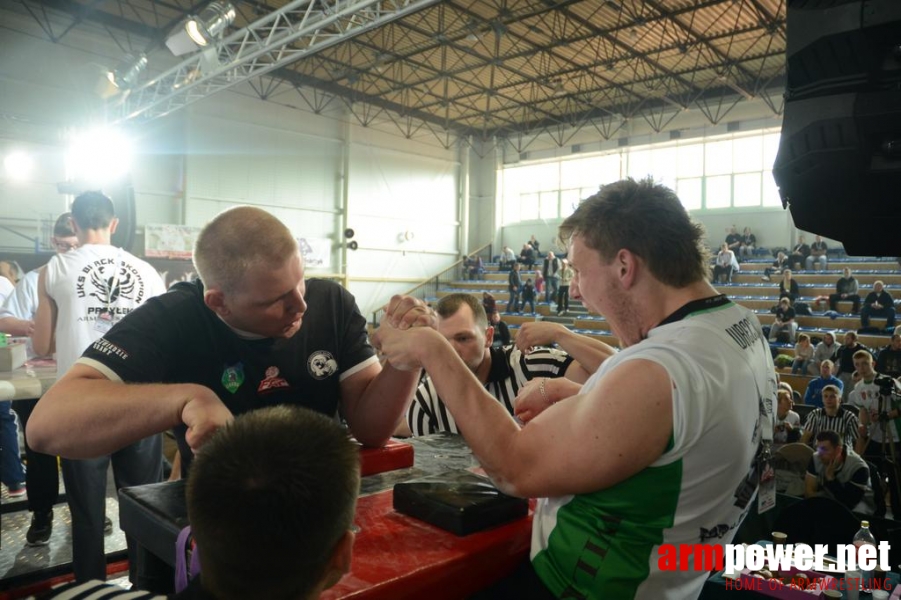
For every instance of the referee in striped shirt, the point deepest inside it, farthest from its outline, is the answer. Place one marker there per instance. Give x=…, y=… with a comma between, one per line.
x=831, y=417
x=504, y=371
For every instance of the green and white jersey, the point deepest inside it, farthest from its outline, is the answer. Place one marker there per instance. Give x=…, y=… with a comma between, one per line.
x=605, y=544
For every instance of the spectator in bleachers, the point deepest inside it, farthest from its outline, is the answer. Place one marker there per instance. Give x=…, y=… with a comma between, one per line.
x=733, y=239
x=831, y=417
x=824, y=351
x=788, y=287
x=846, y=288
x=551, y=271
x=514, y=286
x=817, y=254
x=528, y=295
x=889, y=360
x=535, y=244
x=799, y=254
x=787, y=425
x=475, y=268
x=779, y=264
x=748, y=243
x=835, y=471
x=539, y=282
x=844, y=361
x=865, y=389
x=490, y=306
x=803, y=355
x=878, y=303
x=814, y=394
x=527, y=256
x=785, y=322
x=725, y=263
x=507, y=258
x=566, y=276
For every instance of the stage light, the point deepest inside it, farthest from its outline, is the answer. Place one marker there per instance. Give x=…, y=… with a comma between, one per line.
x=126, y=75
x=199, y=31
x=98, y=156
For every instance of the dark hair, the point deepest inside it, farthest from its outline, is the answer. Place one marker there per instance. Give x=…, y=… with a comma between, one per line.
x=831, y=437
x=648, y=220
x=450, y=304
x=93, y=210
x=63, y=228
x=268, y=499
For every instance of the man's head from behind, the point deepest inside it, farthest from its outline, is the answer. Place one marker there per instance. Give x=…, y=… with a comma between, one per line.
x=93, y=211
x=271, y=500
x=463, y=322
x=617, y=218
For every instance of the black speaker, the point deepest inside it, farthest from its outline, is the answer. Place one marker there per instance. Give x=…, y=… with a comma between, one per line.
x=838, y=167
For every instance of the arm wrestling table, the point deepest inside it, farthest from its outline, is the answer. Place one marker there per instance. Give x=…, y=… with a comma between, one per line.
x=395, y=556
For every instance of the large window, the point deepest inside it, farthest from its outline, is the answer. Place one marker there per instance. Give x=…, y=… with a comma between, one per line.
x=716, y=173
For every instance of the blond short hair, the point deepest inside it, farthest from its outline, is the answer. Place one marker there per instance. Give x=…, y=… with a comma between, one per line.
x=237, y=240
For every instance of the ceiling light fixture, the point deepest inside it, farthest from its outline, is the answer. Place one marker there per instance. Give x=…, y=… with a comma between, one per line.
x=126, y=75
x=201, y=30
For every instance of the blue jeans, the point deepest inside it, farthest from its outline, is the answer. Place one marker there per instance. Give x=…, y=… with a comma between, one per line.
x=11, y=471
x=552, y=285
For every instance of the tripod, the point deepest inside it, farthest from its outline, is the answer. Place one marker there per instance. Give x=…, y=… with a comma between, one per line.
x=889, y=460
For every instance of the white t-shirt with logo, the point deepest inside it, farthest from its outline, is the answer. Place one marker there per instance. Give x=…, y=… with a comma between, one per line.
x=91, y=283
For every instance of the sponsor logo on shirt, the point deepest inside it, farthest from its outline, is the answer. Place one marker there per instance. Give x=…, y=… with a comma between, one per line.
x=272, y=381
x=233, y=377
x=322, y=364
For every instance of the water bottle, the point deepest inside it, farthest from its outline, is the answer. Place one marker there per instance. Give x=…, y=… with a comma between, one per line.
x=864, y=538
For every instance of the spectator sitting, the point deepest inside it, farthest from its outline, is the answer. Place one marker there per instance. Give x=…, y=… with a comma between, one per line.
x=507, y=258
x=814, y=394
x=824, y=351
x=799, y=254
x=803, y=355
x=476, y=267
x=831, y=418
x=845, y=289
x=535, y=244
x=527, y=256
x=889, y=360
x=528, y=295
x=722, y=268
x=788, y=287
x=490, y=306
x=784, y=323
x=733, y=240
x=878, y=303
x=844, y=361
x=817, y=254
x=776, y=268
x=836, y=471
x=295, y=491
x=748, y=243
x=787, y=425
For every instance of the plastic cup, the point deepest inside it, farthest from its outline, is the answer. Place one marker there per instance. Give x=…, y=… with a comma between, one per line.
x=852, y=584
x=779, y=537
x=880, y=595
x=832, y=594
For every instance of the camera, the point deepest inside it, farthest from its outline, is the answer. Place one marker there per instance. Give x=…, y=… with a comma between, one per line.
x=887, y=385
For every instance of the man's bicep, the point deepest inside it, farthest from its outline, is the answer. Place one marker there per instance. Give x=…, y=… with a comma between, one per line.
x=609, y=434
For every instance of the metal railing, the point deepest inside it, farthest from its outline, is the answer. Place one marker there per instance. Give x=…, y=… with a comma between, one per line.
x=429, y=288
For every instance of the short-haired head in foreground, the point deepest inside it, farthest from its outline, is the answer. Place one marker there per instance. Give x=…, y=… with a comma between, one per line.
x=237, y=240
x=93, y=210
x=271, y=501
x=648, y=220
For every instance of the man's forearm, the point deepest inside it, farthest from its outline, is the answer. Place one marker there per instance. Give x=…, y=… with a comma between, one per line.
x=86, y=417
x=375, y=416
x=17, y=327
x=587, y=351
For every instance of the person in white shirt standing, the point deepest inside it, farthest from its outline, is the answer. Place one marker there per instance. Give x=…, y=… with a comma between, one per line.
x=81, y=295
